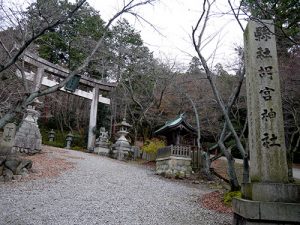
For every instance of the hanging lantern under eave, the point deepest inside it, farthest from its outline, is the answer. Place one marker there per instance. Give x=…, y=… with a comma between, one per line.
x=73, y=84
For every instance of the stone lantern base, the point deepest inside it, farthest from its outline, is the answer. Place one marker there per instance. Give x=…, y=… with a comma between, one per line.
x=121, y=149
x=102, y=149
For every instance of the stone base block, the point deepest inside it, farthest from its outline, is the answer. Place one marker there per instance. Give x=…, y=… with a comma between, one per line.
x=120, y=154
x=257, y=212
x=101, y=151
x=272, y=192
x=174, y=167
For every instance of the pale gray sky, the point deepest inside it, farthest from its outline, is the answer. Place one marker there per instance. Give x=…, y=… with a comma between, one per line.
x=174, y=20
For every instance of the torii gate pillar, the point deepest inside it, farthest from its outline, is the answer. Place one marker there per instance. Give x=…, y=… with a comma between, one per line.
x=93, y=120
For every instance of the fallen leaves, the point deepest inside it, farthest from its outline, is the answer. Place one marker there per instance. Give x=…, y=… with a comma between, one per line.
x=49, y=164
x=214, y=201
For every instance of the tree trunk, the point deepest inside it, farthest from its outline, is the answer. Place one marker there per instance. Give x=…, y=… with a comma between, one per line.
x=206, y=164
x=234, y=183
x=6, y=118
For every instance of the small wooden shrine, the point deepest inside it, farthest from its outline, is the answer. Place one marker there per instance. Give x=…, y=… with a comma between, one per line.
x=178, y=132
x=174, y=160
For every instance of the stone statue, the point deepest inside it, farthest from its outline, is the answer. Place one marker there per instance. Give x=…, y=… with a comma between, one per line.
x=101, y=146
x=103, y=135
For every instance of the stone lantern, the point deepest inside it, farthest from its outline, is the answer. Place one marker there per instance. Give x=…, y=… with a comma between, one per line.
x=122, y=147
x=28, y=138
x=69, y=140
x=51, y=135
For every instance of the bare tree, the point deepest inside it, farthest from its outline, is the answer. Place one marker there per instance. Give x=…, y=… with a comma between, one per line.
x=141, y=94
x=292, y=123
x=197, y=37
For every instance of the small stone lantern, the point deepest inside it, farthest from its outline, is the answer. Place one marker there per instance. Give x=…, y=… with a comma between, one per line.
x=69, y=140
x=51, y=135
x=122, y=147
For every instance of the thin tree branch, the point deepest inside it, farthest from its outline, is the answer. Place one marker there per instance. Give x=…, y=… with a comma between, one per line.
x=40, y=33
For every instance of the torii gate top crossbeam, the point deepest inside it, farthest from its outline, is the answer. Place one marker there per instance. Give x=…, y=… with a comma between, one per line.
x=63, y=72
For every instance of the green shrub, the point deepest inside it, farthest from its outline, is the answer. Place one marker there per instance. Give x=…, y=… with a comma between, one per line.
x=54, y=144
x=152, y=145
x=227, y=199
x=60, y=139
x=77, y=148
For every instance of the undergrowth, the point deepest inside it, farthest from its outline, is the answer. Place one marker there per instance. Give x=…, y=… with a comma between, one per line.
x=227, y=198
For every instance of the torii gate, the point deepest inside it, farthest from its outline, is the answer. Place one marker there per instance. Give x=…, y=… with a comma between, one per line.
x=59, y=72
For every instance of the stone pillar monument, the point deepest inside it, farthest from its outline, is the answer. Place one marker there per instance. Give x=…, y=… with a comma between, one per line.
x=266, y=133
x=269, y=198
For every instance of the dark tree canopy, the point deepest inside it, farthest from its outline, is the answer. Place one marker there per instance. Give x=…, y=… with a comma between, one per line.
x=286, y=16
x=69, y=43
x=195, y=66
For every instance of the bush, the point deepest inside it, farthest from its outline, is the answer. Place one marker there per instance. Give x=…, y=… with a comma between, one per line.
x=54, y=144
x=227, y=199
x=60, y=139
x=77, y=148
x=151, y=146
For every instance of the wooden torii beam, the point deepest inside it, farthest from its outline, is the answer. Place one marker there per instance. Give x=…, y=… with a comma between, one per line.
x=61, y=72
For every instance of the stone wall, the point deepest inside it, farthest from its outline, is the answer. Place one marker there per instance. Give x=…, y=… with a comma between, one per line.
x=174, y=167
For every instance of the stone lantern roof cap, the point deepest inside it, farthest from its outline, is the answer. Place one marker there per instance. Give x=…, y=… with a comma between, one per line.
x=52, y=131
x=70, y=134
x=124, y=123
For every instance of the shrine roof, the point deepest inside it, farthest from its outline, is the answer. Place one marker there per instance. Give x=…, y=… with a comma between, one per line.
x=173, y=124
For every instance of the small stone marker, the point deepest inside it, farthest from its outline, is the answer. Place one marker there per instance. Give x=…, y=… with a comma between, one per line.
x=266, y=132
x=8, y=139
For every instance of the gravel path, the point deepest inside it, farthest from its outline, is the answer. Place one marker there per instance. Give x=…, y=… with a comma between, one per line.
x=100, y=190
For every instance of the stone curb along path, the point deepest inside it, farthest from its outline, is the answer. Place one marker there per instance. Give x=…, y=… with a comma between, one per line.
x=100, y=190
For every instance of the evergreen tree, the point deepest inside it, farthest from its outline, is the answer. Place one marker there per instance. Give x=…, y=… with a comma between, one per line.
x=69, y=43
x=286, y=17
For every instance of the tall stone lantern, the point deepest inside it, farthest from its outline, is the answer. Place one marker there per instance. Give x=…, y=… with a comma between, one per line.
x=122, y=147
x=28, y=138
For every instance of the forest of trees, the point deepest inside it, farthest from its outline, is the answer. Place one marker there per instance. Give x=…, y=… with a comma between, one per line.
x=149, y=91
